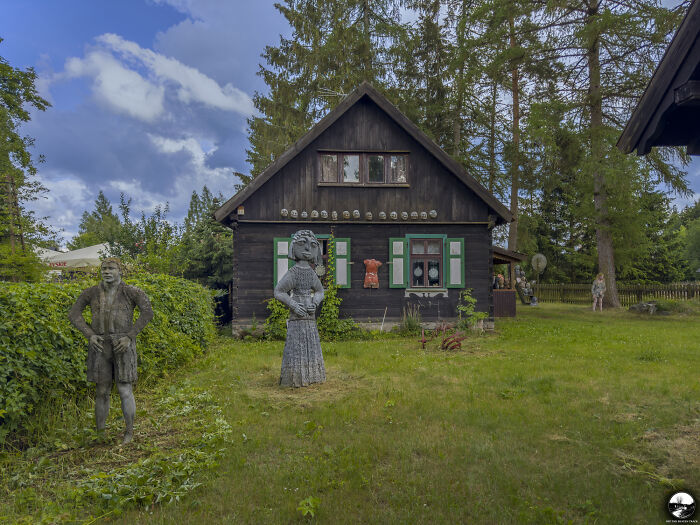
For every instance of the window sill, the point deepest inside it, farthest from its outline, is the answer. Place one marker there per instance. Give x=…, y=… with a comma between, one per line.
x=425, y=292
x=359, y=185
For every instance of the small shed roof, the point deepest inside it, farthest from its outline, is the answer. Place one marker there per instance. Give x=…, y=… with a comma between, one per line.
x=365, y=90
x=668, y=114
x=503, y=256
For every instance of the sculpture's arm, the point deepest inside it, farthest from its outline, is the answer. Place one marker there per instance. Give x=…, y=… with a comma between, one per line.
x=145, y=313
x=282, y=294
x=76, y=315
x=318, y=291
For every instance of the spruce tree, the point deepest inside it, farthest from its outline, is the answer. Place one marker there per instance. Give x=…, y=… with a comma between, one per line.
x=335, y=45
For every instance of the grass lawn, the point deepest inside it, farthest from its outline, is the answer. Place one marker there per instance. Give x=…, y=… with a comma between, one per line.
x=562, y=415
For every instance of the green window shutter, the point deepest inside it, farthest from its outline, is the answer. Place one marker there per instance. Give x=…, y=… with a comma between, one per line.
x=342, y=262
x=398, y=259
x=281, y=247
x=454, y=263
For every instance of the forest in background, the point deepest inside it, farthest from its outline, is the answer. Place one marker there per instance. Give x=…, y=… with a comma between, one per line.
x=529, y=96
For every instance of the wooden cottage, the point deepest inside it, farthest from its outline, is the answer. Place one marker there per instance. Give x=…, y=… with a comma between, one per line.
x=368, y=178
x=668, y=114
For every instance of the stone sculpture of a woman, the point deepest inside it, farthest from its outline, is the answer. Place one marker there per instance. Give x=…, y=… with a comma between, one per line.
x=302, y=360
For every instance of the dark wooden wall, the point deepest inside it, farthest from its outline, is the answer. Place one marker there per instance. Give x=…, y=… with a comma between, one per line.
x=253, y=269
x=366, y=127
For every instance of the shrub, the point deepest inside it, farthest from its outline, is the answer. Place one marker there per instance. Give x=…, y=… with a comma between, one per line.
x=410, y=320
x=676, y=306
x=276, y=323
x=468, y=317
x=42, y=357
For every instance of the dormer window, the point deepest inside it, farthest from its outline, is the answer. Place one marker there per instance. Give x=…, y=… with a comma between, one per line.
x=363, y=169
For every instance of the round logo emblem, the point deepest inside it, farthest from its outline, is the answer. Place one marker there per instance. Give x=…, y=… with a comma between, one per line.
x=681, y=506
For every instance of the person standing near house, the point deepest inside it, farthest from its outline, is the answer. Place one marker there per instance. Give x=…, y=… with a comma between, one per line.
x=112, y=339
x=598, y=290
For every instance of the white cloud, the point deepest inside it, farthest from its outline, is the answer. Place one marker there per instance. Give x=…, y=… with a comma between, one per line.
x=122, y=89
x=135, y=81
x=64, y=203
x=180, y=189
x=192, y=84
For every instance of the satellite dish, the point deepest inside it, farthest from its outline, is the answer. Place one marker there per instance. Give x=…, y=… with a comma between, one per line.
x=539, y=262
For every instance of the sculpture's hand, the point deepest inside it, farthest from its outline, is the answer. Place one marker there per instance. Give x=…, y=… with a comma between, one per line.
x=122, y=344
x=300, y=310
x=96, y=342
x=311, y=308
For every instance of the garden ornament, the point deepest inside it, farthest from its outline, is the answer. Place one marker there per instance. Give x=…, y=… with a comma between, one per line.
x=112, y=334
x=302, y=359
x=371, y=267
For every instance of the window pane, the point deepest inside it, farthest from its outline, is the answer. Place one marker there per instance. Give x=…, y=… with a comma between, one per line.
x=418, y=247
x=417, y=273
x=398, y=168
x=351, y=168
x=376, y=168
x=433, y=273
x=434, y=247
x=329, y=168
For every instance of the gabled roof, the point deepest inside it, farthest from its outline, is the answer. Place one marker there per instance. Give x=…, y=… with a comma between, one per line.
x=364, y=90
x=646, y=127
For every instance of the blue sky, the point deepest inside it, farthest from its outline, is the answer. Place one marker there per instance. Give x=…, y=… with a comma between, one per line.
x=150, y=97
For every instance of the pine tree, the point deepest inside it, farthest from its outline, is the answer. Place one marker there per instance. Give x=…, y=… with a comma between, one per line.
x=335, y=45
x=20, y=229
x=206, y=247
x=100, y=226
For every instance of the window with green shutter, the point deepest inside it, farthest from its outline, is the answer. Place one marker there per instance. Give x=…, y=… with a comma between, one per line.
x=426, y=261
x=398, y=259
x=281, y=261
x=454, y=263
x=342, y=262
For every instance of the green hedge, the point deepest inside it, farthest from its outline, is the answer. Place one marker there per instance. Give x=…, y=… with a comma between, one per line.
x=42, y=357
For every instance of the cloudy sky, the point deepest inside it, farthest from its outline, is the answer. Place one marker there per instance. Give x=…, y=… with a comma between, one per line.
x=150, y=97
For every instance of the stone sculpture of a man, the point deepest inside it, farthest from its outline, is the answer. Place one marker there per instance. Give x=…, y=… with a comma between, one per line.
x=112, y=340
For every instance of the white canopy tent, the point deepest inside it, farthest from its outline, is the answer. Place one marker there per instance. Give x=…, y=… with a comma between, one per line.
x=45, y=254
x=81, y=258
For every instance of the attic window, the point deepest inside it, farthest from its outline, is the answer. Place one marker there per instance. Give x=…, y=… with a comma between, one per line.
x=364, y=169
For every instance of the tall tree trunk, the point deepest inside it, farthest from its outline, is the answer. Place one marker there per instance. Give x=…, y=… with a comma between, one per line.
x=11, y=213
x=492, y=139
x=457, y=122
x=367, y=59
x=606, y=254
x=515, y=165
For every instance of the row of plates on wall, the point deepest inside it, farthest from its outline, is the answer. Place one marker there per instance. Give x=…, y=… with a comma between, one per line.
x=355, y=214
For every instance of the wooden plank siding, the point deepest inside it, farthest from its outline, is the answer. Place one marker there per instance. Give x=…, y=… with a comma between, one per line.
x=253, y=269
x=366, y=127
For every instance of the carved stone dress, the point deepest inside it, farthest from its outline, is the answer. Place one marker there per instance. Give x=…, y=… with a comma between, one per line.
x=302, y=360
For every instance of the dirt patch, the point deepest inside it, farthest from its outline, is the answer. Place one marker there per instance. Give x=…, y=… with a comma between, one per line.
x=338, y=385
x=679, y=449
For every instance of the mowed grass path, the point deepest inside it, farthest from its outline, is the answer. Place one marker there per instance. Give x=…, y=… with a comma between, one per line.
x=560, y=415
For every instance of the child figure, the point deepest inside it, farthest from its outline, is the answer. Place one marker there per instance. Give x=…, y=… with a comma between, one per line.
x=302, y=360
x=598, y=290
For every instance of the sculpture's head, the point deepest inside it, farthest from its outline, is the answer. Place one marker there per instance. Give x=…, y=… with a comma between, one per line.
x=111, y=269
x=305, y=247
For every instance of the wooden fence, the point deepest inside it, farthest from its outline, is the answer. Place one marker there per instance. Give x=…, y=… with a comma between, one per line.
x=628, y=293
